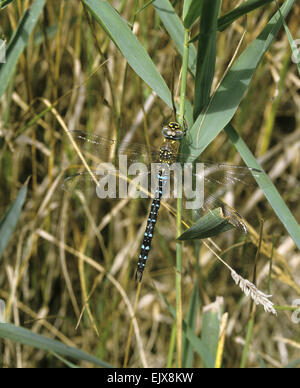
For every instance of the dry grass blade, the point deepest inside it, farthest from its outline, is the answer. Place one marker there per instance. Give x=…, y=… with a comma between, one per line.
x=99, y=268
x=105, y=70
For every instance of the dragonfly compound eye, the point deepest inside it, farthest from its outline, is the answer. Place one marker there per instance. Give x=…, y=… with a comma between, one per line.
x=174, y=125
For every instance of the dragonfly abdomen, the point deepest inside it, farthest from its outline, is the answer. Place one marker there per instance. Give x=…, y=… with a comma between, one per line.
x=148, y=236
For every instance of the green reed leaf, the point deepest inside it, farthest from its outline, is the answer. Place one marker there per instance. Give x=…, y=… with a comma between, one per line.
x=9, y=222
x=18, y=42
x=229, y=95
x=269, y=189
x=26, y=337
x=135, y=54
x=5, y=3
x=212, y=224
x=175, y=29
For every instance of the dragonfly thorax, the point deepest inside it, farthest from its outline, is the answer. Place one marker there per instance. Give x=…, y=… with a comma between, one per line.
x=168, y=151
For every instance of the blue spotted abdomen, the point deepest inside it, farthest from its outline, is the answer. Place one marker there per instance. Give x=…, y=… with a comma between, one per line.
x=148, y=236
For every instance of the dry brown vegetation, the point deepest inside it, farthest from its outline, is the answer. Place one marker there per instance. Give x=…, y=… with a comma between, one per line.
x=65, y=244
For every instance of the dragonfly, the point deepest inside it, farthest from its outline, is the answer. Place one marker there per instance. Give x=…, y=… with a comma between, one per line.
x=217, y=176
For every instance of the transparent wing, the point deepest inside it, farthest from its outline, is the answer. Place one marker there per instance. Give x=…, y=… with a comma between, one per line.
x=114, y=186
x=107, y=183
x=217, y=178
x=220, y=174
x=100, y=149
x=201, y=191
x=211, y=203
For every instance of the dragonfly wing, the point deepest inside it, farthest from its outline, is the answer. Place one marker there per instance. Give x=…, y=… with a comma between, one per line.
x=109, y=183
x=223, y=174
x=215, y=180
x=100, y=149
x=82, y=181
x=229, y=213
x=191, y=216
x=201, y=192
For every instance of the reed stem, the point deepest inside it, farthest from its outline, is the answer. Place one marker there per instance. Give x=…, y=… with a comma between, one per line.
x=179, y=208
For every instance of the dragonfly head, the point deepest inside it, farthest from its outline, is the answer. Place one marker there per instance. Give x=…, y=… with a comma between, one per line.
x=173, y=131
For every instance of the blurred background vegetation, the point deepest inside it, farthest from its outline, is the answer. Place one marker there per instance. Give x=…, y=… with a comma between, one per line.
x=56, y=259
